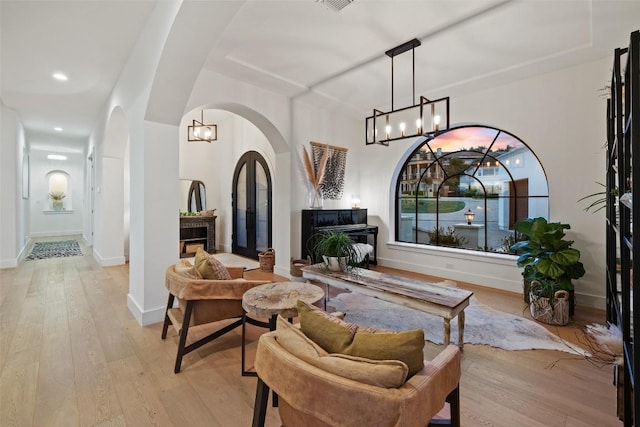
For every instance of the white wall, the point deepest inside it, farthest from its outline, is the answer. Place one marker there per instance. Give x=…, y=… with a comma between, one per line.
x=44, y=221
x=14, y=224
x=326, y=126
x=561, y=117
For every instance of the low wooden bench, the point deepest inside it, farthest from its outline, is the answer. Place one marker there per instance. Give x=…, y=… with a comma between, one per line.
x=443, y=301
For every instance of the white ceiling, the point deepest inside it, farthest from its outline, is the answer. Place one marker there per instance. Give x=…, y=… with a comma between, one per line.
x=303, y=49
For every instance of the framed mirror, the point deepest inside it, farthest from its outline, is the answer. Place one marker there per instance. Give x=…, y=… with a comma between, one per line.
x=197, y=199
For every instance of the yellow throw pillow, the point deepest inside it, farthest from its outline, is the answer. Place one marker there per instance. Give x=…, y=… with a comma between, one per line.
x=380, y=373
x=209, y=267
x=405, y=346
x=337, y=336
x=329, y=332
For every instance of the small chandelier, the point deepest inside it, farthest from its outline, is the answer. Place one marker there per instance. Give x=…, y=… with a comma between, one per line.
x=199, y=132
x=422, y=119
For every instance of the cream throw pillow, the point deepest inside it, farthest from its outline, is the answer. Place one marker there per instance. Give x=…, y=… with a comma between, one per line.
x=186, y=269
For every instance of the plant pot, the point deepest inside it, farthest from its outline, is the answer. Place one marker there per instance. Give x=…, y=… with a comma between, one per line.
x=543, y=310
x=572, y=298
x=334, y=263
x=57, y=205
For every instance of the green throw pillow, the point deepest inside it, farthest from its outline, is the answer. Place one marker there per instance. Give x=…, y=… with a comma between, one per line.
x=337, y=336
x=209, y=267
x=405, y=346
x=329, y=332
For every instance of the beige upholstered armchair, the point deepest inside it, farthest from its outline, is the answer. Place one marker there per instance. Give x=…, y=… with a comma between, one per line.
x=203, y=301
x=310, y=396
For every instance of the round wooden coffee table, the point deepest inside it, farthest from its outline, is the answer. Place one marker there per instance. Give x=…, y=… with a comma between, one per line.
x=271, y=300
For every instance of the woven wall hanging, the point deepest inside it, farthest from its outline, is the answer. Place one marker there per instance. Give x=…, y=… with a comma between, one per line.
x=332, y=183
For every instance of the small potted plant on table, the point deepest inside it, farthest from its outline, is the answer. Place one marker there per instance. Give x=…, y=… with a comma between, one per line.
x=550, y=263
x=336, y=249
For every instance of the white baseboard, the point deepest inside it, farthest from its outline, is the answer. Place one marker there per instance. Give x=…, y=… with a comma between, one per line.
x=586, y=300
x=8, y=263
x=56, y=233
x=463, y=276
x=145, y=318
x=108, y=262
x=593, y=301
x=13, y=263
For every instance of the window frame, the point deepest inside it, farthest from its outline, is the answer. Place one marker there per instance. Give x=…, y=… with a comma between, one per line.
x=400, y=179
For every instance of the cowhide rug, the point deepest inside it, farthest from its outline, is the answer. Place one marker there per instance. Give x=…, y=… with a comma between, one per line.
x=483, y=325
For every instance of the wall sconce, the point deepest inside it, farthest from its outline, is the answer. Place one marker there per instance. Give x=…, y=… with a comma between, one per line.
x=355, y=201
x=469, y=215
x=200, y=132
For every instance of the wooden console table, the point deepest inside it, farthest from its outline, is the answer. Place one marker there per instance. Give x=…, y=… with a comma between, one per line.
x=442, y=301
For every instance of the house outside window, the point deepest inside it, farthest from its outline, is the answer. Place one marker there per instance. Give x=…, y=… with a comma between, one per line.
x=466, y=188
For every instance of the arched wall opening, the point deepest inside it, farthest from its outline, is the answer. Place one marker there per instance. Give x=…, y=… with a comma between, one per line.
x=240, y=130
x=112, y=193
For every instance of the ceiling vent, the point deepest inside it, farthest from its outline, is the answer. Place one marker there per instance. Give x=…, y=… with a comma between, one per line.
x=335, y=5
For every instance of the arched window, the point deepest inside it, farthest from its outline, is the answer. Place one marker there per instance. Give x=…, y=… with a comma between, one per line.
x=466, y=187
x=59, y=190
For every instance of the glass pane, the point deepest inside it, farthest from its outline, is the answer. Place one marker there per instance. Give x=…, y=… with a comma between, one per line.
x=241, y=208
x=477, y=139
x=262, y=209
x=473, y=170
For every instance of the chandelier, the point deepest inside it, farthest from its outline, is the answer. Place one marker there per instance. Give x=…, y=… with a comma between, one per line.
x=199, y=132
x=425, y=118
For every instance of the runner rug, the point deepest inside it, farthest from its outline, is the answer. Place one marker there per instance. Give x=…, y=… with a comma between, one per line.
x=483, y=325
x=43, y=250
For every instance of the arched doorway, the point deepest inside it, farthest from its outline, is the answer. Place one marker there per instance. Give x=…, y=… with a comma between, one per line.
x=251, y=194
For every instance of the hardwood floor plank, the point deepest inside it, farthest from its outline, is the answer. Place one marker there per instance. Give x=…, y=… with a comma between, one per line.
x=17, y=393
x=97, y=399
x=56, y=400
x=134, y=385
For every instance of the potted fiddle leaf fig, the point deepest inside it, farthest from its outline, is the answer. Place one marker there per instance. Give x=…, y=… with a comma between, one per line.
x=547, y=258
x=336, y=249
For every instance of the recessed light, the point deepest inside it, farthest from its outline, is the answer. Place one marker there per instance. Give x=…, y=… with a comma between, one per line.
x=58, y=129
x=60, y=76
x=56, y=157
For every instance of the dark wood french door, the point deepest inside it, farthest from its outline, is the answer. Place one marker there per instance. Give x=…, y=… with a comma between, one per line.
x=251, y=206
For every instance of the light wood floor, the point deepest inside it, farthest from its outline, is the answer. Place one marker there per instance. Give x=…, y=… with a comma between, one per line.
x=72, y=354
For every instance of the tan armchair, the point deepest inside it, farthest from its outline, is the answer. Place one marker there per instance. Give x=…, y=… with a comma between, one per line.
x=202, y=301
x=312, y=397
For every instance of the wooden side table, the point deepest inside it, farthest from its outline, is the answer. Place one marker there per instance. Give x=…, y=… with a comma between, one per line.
x=271, y=300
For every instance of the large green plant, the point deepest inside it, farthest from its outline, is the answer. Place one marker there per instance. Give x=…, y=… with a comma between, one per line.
x=546, y=256
x=334, y=244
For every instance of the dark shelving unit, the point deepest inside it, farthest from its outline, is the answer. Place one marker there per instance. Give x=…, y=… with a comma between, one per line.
x=623, y=170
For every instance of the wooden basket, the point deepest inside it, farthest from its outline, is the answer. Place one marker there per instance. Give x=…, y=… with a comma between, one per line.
x=543, y=311
x=267, y=260
x=295, y=266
